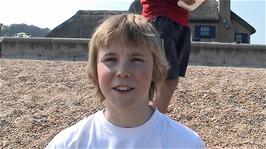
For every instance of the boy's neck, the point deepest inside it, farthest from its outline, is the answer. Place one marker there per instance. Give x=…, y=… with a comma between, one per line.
x=130, y=118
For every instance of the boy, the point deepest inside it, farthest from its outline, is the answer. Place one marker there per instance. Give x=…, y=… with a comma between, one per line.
x=126, y=66
x=171, y=22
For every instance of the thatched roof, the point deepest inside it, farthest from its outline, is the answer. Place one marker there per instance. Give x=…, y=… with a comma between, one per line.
x=82, y=24
x=199, y=15
x=234, y=16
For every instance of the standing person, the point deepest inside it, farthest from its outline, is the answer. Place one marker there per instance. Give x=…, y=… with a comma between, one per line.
x=126, y=66
x=171, y=21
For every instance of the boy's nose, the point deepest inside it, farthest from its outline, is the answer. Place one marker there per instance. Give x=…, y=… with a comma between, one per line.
x=122, y=72
x=122, y=75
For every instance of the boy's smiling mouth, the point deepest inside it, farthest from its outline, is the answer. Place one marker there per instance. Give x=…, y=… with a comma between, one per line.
x=123, y=88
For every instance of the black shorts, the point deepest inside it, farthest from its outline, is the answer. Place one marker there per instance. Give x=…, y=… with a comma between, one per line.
x=177, y=43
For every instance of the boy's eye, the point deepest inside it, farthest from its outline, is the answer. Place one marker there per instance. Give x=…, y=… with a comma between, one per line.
x=137, y=60
x=109, y=59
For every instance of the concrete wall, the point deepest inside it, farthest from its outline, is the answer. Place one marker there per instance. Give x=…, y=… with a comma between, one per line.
x=225, y=54
x=45, y=48
x=202, y=53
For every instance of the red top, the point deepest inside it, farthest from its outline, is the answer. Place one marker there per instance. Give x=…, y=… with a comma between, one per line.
x=166, y=8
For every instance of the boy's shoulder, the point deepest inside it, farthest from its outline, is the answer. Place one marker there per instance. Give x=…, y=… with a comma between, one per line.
x=182, y=135
x=73, y=133
x=81, y=125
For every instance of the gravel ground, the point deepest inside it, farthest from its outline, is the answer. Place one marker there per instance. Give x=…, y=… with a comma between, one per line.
x=225, y=105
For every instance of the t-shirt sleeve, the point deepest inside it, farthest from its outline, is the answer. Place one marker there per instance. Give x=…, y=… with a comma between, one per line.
x=56, y=143
x=200, y=144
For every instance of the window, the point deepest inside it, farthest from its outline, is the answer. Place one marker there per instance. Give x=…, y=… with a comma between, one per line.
x=241, y=37
x=205, y=31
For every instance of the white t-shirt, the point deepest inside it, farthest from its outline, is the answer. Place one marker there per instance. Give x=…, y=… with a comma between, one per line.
x=96, y=132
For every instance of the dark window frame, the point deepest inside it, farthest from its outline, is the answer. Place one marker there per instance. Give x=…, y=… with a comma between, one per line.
x=241, y=37
x=205, y=32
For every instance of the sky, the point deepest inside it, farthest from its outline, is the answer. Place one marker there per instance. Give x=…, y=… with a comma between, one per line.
x=51, y=13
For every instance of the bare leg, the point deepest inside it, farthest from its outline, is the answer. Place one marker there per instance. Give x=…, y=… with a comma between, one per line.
x=165, y=94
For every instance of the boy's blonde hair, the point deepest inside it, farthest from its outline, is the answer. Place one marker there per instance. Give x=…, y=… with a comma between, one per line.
x=130, y=30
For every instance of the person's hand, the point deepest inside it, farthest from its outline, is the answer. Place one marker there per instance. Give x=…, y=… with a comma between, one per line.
x=189, y=2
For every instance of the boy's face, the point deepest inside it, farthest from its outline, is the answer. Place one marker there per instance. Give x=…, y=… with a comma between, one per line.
x=124, y=76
